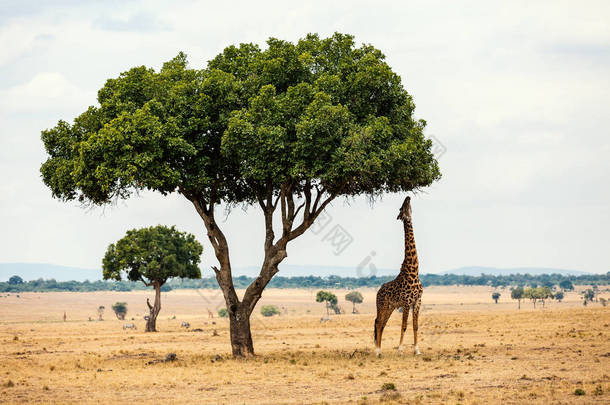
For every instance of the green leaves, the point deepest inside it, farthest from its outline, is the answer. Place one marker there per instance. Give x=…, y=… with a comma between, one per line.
x=326, y=296
x=354, y=296
x=153, y=254
x=321, y=112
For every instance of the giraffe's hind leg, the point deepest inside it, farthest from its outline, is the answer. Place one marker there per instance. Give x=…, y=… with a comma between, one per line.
x=405, y=319
x=415, y=325
x=383, y=314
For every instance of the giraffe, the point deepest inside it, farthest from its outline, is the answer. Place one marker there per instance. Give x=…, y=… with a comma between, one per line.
x=404, y=291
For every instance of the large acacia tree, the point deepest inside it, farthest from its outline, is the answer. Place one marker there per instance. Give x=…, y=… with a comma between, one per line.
x=288, y=128
x=153, y=255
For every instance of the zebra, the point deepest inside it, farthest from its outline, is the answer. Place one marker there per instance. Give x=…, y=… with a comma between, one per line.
x=129, y=325
x=185, y=325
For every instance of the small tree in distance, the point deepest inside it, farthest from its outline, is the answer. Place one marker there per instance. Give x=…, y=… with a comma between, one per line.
x=120, y=310
x=495, y=296
x=355, y=298
x=14, y=280
x=559, y=296
x=152, y=256
x=588, y=295
x=223, y=313
x=328, y=298
x=517, y=293
x=544, y=294
x=566, y=285
x=530, y=293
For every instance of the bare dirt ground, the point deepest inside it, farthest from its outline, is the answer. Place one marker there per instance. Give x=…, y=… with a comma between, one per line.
x=474, y=351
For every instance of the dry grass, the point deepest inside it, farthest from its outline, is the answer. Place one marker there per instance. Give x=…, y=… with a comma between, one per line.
x=474, y=351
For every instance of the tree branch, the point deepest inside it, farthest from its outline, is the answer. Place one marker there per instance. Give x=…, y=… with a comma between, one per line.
x=219, y=243
x=268, y=209
x=308, y=220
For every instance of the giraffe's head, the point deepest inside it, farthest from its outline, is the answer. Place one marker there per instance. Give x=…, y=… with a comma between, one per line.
x=405, y=210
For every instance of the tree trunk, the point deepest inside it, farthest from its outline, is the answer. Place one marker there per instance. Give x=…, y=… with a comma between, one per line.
x=519, y=304
x=151, y=323
x=353, y=307
x=241, y=337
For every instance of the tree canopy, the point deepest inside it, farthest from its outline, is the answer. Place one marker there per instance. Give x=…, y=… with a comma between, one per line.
x=120, y=309
x=517, y=293
x=326, y=296
x=321, y=112
x=153, y=254
x=566, y=285
x=354, y=297
x=15, y=280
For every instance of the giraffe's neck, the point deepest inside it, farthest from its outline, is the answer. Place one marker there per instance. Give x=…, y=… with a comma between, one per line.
x=410, y=265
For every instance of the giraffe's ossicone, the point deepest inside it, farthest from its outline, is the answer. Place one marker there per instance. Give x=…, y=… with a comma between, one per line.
x=405, y=290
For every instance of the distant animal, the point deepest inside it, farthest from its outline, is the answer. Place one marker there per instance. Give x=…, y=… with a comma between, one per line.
x=185, y=325
x=325, y=318
x=210, y=314
x=146, y=317
x=405, y=290
x=129, y=325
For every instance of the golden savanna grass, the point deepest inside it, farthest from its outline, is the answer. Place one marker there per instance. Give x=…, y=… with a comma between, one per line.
x=474, y=351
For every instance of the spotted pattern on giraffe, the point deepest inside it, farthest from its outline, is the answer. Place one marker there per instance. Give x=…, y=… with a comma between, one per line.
x=405, y=291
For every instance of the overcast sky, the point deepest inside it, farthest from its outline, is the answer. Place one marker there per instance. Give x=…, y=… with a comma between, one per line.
x=517, y=93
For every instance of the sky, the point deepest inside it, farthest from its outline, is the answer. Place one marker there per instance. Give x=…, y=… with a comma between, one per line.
x=516, y=96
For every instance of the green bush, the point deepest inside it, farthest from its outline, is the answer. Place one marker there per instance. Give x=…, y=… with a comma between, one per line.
x=579, y=391
x=223, y=313
x=270, y=310
x=388, y=387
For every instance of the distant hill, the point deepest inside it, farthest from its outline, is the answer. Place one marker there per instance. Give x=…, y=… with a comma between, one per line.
x=33, y=271
x=478, y=270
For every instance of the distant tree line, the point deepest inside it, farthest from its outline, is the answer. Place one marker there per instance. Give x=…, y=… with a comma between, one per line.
x=523, y=280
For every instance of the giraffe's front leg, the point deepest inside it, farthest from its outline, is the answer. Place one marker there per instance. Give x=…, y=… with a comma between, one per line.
x=415, y=325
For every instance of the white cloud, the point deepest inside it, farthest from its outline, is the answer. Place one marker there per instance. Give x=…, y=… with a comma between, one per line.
x=138, y=22
x=45, y=92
